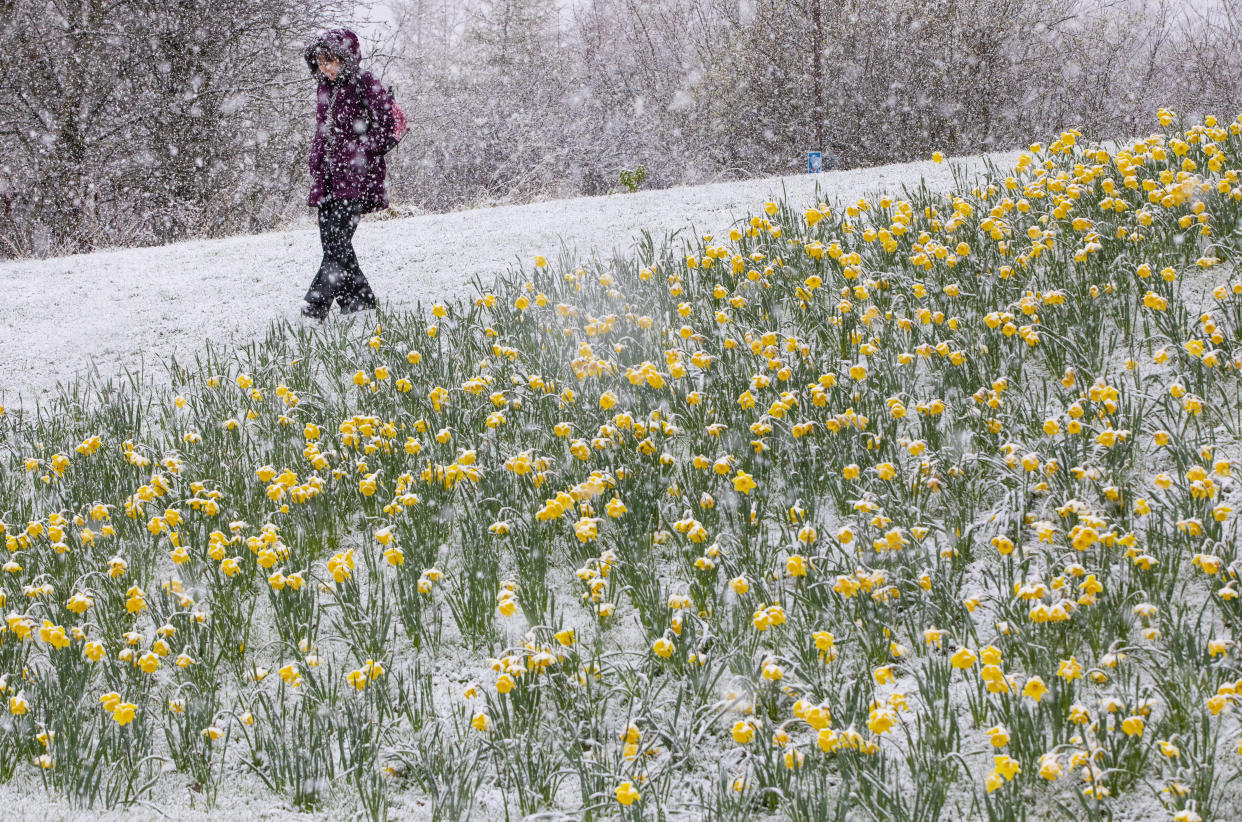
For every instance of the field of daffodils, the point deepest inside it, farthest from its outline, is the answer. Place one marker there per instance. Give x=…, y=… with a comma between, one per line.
x=906, y=508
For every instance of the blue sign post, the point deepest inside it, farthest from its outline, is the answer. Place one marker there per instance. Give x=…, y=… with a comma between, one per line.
x=814, y=162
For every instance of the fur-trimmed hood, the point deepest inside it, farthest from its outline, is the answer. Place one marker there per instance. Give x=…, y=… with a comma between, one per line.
x=341, y=43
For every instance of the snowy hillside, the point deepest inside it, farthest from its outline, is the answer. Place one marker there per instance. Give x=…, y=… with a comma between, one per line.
x=906, y=507
x=121, y=309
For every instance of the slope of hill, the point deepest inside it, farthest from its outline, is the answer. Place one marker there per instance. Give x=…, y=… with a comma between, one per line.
x=911, y=507
x=121, y=308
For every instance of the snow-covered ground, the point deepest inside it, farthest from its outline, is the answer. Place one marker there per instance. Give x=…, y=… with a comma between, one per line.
x=123, y=308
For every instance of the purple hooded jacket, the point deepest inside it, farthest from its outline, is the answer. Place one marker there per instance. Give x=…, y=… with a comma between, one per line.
x=353, y=127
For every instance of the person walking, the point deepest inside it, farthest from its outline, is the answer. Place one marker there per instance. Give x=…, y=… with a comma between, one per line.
x=354, y=128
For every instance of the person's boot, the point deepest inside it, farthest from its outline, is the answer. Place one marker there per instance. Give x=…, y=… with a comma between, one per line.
x=357, y=304
x=318, y=313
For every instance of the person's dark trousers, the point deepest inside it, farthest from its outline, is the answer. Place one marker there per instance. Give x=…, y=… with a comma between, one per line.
x=339, y=276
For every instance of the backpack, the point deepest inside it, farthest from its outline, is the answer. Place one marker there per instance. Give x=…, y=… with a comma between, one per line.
x=400, y=125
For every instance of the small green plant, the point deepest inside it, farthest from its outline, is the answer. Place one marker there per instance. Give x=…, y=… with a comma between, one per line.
x=633, y=180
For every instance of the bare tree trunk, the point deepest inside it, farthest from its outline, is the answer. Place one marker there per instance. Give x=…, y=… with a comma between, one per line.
x=817, y=70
